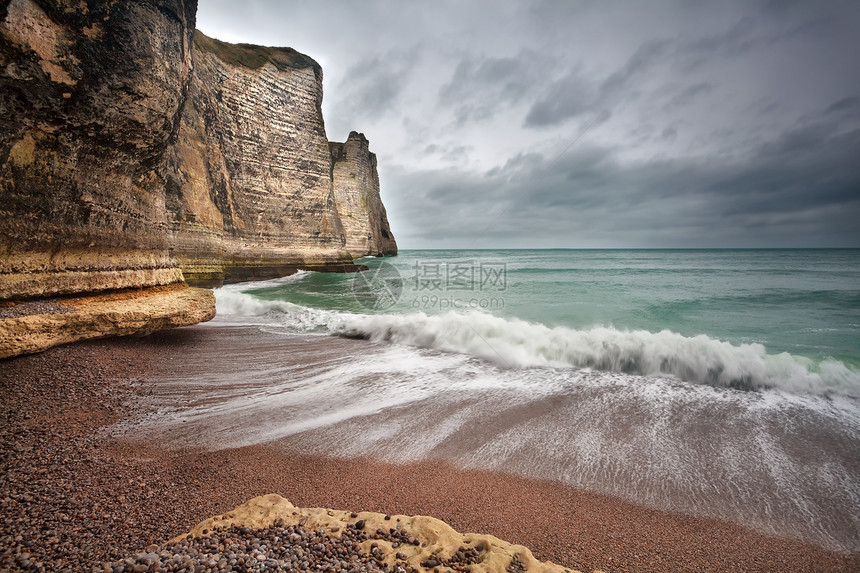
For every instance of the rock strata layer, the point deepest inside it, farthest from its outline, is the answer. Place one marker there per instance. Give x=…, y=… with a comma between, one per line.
x=133, y=311
x=356, y=188
x=386, y=542
x=249, y=193
x=90, y=96
x=134, y=149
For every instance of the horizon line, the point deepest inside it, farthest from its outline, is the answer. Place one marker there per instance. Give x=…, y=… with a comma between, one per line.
x=632, y=249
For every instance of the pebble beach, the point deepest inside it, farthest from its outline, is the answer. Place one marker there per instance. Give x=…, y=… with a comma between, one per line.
x=76, y=496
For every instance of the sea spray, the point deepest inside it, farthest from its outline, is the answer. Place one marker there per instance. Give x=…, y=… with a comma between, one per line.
x=516, y=343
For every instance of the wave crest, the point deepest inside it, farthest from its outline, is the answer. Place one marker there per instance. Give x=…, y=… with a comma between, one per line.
x=699, y=359
x=514, y=343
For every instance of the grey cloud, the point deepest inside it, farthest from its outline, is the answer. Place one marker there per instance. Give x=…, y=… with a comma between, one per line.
x=849, y=107
x=801, y=188
x=372, y=86
x=575, y=95
x=738, y=40
x=375, y=84
x=473, y=112
x=771, y=23
x=749, y=110
x=547, y=13
x=500, y=79
x=452, y=153
x=480, y=86
x=567, y=98
x=669, y=134
x=688, y=95
x=644, y=59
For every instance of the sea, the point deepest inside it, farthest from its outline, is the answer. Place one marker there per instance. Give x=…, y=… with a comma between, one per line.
x=721, y=383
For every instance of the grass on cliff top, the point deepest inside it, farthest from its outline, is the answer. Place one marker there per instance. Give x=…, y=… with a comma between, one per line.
x=251, y=56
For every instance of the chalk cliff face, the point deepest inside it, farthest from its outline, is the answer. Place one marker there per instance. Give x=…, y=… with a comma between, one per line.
x=249, y=192
x=133, y=150
x=356, y=189
x=90, y=96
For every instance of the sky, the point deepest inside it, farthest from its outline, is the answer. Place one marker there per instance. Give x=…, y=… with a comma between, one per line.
x=592, y=123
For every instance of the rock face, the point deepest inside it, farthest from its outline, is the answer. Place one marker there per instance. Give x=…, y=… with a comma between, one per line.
x=250, y=188
x=133, y=149
x=90, y=96
x=356, y=190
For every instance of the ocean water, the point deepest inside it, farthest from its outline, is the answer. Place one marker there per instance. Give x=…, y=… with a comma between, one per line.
x=748, y=319
x=723, y=383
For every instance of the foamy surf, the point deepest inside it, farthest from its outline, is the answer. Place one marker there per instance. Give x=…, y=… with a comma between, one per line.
x=712, y=383
x=780, y=462
x=514, y=343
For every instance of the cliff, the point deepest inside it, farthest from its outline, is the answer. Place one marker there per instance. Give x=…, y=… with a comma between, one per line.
x=134, y=149
x=90, y=96
x=249, y=191
x=136, y=152
x=356, y=191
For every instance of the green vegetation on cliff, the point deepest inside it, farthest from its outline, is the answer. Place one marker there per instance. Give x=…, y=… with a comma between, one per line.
x=254, y=57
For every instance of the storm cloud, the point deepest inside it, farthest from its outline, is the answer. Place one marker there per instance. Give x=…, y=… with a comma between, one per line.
x=590, y=124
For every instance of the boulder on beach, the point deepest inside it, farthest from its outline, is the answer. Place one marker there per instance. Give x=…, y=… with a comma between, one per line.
x=421, y=542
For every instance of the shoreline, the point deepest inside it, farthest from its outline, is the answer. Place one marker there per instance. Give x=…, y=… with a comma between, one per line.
x=75, y=493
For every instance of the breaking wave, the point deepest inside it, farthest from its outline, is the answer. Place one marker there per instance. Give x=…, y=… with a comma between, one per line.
x=514, y=343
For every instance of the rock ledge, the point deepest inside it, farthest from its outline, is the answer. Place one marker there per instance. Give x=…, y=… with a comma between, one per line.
x=44, y=324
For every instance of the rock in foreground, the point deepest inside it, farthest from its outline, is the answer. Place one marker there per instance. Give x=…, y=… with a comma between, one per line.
x=268, y=533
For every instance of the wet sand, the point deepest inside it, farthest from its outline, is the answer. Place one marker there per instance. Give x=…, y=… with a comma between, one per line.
x=72, y=494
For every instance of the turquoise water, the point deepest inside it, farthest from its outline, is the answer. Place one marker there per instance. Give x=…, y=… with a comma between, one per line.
x=758, y=317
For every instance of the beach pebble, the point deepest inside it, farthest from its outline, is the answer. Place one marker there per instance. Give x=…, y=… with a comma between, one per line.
x=276, y=548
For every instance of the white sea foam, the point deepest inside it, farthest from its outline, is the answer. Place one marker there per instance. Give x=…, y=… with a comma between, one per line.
x=514, y=343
